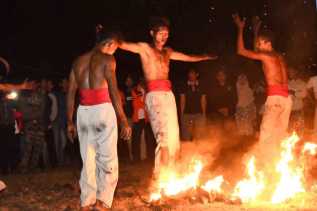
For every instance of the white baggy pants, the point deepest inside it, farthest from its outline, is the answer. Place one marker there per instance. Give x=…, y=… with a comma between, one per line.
x=97, y=133
x=162, y=111
x=274, y=125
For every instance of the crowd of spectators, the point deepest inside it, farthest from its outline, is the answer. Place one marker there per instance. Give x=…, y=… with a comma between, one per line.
x=33, y=123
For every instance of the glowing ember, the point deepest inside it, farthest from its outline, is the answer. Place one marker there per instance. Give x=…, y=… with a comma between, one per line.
x=290, y=178
x=248, y=189
x=213, y=185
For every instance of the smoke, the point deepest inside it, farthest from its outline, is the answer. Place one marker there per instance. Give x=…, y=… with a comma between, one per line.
x=295, y=25
x=221, y=149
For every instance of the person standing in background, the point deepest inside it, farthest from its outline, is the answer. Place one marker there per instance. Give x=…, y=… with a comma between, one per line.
x=193, y=107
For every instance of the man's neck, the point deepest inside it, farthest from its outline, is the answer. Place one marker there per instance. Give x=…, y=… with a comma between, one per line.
x=158, y=46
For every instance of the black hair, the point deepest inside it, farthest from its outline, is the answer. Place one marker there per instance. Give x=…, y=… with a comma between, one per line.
x=157, y=22
x=105, y=36
x=267, y=35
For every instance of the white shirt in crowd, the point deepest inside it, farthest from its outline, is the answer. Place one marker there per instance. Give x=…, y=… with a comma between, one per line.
x=298, y=90
x=54, y=106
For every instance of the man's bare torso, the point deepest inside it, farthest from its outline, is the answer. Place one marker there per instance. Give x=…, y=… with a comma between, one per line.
x=155, y=62
x=275, y=69
x=89, y=70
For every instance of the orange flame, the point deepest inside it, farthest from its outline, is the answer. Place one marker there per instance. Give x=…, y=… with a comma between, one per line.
x=310, y=148
x=290, y=178
x=285, y=178
x=249, y=189
x=213, y=185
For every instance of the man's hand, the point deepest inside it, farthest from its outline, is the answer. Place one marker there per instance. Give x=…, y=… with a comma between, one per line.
x=238, y=21
x=126, y=131
x=71, y=131
x=256, y=23
x=211, y=57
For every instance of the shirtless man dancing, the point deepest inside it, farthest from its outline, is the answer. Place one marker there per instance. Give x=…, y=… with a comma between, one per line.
x=160, y=101
x=93, y=74
x=278, y=103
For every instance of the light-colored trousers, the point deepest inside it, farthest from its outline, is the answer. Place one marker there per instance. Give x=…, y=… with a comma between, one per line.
x=97, y=133
x=162, y=111
x=274, y=126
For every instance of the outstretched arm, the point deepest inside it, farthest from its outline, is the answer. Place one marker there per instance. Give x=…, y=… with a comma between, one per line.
x=256, y=22
x=241, y=50
x=9, y=87
x=175, y=55
x=132, y=47
x=110, y=76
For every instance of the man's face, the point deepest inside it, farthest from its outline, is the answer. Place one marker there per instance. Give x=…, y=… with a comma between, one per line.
x=221, y=77
x=263, y=44
x=128, y=82
x=292, y=73
x=192, y=76
x=161, y=35
x=50, y=85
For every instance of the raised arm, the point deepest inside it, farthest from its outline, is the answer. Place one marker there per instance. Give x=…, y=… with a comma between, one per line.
x=72, y=88
x=256, y=22
x=110, y=76
x=241, y=50
x=175, y=55
x=132, y=47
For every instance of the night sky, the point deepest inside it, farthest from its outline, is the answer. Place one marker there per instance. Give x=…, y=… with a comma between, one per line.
x=40, y=38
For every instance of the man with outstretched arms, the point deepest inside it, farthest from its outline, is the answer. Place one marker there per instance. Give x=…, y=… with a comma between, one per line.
x=278, y=103
x=160, y=101
x=93, y=75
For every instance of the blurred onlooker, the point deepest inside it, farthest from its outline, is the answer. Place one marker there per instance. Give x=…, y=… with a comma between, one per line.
x=53, y=126
x=43, y=91
x=193, y=107
x=141, y=125
x=9, y=141
x=9, y=144
x=312, y=85
x=33, y=109
x=297, y=90
x=61, y=140
x=221, y=100
x=260, y=97
x=245, y=109
x=125, y=147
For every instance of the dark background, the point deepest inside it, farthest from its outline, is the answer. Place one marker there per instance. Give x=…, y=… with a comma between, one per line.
x=40, y=38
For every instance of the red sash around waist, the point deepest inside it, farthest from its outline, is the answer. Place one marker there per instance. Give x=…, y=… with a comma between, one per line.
x=94, y=96
x=280, y=90
x=159, y=85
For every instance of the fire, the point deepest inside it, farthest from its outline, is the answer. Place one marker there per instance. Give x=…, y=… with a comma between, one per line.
x=310, y=148
x=248, y=189
x=290, y=178
x=213, y=185
x=172, y=183
x=276, y=183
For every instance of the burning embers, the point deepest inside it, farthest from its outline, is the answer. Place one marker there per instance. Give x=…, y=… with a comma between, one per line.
x=275, y=183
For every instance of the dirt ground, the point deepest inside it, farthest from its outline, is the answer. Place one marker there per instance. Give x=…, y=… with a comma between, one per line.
x=57, y=189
